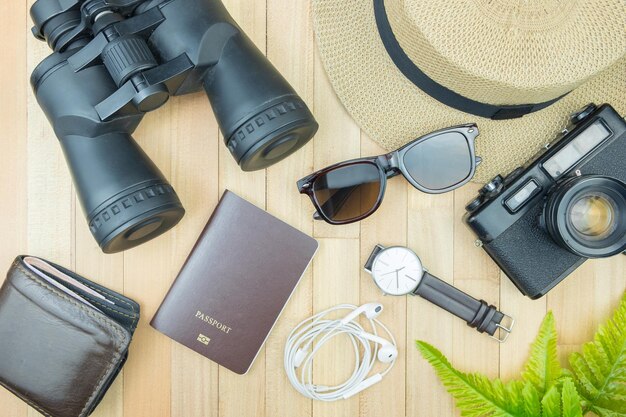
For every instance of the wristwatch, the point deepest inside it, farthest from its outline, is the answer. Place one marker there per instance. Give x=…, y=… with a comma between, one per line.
x=397, y=270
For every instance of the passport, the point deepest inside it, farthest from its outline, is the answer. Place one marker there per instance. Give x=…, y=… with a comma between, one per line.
x=235, y=283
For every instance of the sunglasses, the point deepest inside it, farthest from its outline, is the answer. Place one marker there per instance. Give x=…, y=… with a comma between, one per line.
x=435, y=163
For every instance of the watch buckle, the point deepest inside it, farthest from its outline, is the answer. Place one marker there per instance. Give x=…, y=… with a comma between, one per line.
x=503, y=329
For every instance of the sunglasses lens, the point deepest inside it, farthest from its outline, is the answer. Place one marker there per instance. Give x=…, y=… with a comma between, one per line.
x=440, y=162
x=348, y=192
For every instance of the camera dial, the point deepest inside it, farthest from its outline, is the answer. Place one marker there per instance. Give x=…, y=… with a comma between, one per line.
x=493, y=187
x=583, y=113
x=474, y=204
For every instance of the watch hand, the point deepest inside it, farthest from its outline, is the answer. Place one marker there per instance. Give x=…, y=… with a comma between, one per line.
x=397, y=280
x=387, y=273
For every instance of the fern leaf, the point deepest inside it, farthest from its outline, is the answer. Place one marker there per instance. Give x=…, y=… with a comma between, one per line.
x=570, y=400
x=551, y=403
x=600, y=369
x=543, y=367
x=475, y=394
x=532, y=404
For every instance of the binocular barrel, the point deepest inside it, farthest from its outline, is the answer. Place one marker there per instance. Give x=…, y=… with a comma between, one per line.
x=262, y=118
x=126, y=199
x=124, y=58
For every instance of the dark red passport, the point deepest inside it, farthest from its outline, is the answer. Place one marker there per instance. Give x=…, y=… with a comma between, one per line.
x=235, y=283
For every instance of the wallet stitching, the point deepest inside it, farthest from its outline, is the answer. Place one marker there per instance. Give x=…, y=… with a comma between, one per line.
x=114, y=358
x=112, y=310
x=27, y=400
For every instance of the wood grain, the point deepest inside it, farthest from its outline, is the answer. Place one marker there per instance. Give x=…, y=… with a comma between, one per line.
x=41, y=216
x=13, y=157
x=290, y=47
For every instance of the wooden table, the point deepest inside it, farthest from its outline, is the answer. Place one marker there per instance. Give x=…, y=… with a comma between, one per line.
x=41, y=216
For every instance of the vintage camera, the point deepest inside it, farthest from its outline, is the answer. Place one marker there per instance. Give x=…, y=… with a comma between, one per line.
x=567, y=204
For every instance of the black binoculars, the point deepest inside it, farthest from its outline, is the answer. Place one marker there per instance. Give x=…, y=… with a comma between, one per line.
x=115, y=60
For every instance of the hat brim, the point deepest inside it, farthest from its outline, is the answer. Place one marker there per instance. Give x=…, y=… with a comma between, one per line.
x=393, y=111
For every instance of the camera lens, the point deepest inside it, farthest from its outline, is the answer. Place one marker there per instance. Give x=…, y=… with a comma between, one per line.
x=587, y=216
x=593, y=216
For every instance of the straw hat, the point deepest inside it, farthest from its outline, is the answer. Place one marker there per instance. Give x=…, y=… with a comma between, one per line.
x=517, y=68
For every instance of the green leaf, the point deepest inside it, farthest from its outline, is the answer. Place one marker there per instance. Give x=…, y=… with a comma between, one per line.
x=543, y=367
x=570, y=400
x=475, y=394
x=600, y=369
x=551, y=403
x=532, y=404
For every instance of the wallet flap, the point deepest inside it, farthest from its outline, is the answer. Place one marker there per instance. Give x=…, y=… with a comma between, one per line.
x=58, y=354
x=121, y=309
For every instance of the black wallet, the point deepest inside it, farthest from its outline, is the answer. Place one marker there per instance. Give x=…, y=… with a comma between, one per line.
x=63, y=338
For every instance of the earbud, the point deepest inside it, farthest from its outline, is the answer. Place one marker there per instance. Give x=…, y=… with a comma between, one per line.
x=371, y=311
x=308, y=337
x=387, y=352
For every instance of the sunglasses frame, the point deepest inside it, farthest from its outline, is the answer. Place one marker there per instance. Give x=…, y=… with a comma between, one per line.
x=390, y=165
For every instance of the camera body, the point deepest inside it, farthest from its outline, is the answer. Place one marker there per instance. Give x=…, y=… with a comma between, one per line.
x=527, y=220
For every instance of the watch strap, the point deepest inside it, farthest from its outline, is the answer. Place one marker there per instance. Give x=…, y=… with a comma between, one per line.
x=478, y=314
x=370, y=261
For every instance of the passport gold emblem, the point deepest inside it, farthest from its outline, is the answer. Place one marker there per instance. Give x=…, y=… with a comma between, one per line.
x=203, y=339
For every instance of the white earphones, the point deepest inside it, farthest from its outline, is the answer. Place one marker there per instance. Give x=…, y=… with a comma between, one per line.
x=370, y=310
x=317, y=330
x=387, y=352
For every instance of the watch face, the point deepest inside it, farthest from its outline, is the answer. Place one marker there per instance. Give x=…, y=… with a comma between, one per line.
x=397, y=270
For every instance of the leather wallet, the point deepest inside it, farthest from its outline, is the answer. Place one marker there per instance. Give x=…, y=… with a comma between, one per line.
x=63, y=338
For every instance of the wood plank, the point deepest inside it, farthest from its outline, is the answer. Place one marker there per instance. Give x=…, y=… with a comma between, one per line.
x=13, y=119
x=13, y=158
x=388, y=226
x=290, y=47
x=431, y=226
x=335, y=281
x=251, y=16
x=195, y=177
x=50, y=212
x=586, y=299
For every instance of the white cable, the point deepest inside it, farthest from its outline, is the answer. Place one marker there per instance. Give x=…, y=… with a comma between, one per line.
x=316, y=331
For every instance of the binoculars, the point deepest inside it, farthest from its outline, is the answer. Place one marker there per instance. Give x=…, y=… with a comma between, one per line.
x=115, y=60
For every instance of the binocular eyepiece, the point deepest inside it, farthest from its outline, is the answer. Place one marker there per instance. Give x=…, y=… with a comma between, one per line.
x=115, y=60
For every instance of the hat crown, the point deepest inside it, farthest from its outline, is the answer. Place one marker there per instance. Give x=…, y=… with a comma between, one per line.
x=507, y=52
x=526, y=14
